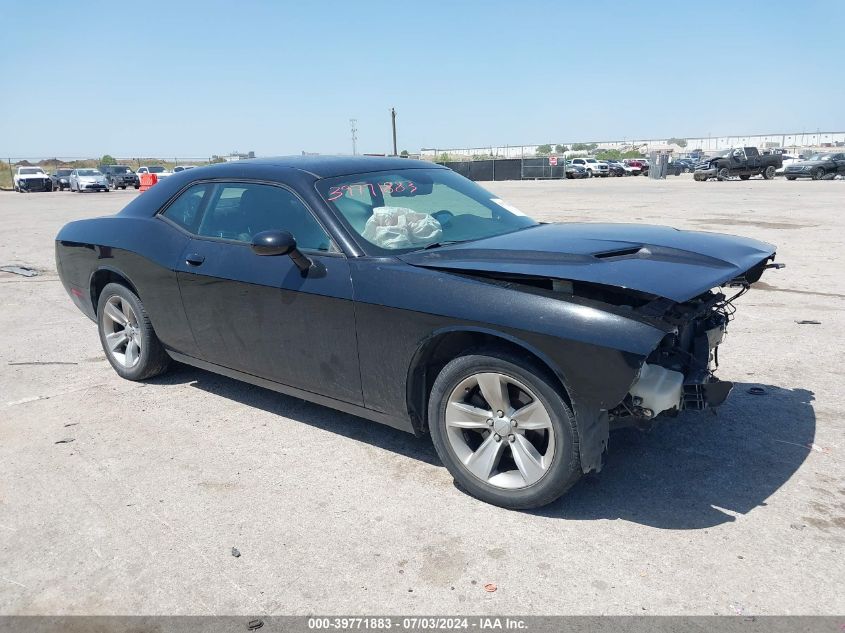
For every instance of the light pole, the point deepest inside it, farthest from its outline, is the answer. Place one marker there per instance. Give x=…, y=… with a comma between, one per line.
x=352, y=124
x=393, y=123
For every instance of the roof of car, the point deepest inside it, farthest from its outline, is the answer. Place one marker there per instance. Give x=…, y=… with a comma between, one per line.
x=330, y=166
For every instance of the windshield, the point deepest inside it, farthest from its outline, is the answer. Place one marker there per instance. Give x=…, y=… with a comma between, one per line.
x=119, y=170
x=408, y=209
x=88, y=172
x=63, y=172
x=820, y=157
x=156, y=169
x=31, y=170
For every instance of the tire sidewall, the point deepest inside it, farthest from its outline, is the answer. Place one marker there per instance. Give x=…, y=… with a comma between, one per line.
x=565, y=468
x=140, y=369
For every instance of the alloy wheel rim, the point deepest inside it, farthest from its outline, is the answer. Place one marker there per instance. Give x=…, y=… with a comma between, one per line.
x=122, y=332
x=500, y=430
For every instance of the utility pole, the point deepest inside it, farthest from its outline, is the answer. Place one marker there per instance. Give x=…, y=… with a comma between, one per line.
x=352, y=124
x=393, y=122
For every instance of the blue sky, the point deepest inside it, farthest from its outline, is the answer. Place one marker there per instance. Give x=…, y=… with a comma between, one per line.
x=196, y=78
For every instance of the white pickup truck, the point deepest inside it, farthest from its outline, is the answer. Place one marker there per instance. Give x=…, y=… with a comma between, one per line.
x=593, y=166
x=28, y=179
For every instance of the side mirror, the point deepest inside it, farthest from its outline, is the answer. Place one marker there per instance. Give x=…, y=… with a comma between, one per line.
x=272, y=243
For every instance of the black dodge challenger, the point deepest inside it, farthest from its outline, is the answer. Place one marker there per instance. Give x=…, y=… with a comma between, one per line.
x=399, y=291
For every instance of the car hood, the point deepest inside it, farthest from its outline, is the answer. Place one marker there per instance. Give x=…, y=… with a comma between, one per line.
x=657, y=260
x=28, y=176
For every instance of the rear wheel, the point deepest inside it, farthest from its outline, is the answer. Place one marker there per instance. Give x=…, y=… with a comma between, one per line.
x=503, y=430
x=723, y=174
x=769, y=172
x=127, y=336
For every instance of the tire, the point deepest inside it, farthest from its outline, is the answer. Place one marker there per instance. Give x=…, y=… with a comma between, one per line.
x=512, y=478
x=818, y=173
x=138, y=355
x=769, y=172
x=723, y=174
x=744, y=177
x=589, y=173
x=137, y=186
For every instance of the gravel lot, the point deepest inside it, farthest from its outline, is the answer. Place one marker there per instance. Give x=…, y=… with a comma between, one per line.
x=743, y=512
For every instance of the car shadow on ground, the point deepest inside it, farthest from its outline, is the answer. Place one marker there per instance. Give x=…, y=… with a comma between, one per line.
x=699, y=470
x=315, y=415
x=693, y=472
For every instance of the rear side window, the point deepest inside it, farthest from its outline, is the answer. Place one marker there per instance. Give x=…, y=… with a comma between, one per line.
x=185, y=210
x=238, y=210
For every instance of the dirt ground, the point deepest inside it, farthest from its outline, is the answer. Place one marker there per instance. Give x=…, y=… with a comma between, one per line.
x=741, y=512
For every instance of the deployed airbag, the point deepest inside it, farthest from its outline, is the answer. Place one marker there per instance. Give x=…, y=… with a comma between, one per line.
x=398, y=227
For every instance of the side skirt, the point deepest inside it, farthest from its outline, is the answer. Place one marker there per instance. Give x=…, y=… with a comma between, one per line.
x=403, y=424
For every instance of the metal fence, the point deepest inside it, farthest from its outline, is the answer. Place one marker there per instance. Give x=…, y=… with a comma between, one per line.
x=507, y=169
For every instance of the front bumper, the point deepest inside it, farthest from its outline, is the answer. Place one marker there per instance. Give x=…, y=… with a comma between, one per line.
x=93, y=186
x=35, y=184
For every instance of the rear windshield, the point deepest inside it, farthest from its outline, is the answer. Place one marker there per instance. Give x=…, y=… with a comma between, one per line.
x=31, y=170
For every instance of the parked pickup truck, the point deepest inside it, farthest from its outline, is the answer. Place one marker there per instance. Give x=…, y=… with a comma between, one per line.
x=739, y=161
x=120, y=176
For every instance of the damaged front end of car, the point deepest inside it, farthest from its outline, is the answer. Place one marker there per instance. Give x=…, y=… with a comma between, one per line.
x=679, y=375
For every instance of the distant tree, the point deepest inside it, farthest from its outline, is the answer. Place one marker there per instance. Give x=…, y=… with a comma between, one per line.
x=584, y=147
x=404, y=153
x=560, y=149
x=609, y=154
x=631, y=153
x=544, y=150
x=680, y=142
x=108, y=160
x=444, y=157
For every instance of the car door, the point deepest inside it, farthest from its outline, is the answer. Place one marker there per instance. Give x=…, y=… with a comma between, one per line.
x=839, y=159
x=259, y=314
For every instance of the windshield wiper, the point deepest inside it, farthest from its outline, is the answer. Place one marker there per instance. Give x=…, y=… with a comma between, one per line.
x=443, y=243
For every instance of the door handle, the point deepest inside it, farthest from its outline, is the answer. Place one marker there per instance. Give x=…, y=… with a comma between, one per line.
x=194, y=259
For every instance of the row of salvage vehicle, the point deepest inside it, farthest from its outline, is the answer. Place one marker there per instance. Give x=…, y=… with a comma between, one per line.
x=31, y=178
x=745, y=162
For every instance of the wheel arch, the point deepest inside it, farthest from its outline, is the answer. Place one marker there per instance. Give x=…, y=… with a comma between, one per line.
x=104, y=276
x=444, y=345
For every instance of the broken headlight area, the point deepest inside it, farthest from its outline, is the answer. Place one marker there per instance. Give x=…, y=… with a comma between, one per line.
x=679, y=374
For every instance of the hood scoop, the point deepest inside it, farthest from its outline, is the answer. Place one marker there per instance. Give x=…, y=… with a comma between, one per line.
x=622, y=252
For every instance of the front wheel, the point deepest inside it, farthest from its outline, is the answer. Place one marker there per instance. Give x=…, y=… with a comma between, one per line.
x=723, y=174
x=503, y=430
x=818, y=173
x=127, y=336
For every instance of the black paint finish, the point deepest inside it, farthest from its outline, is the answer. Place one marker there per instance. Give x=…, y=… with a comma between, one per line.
x=363, y=334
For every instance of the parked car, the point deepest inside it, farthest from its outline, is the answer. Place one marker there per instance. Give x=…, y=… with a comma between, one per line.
x=789, y=159
x=684, y=165
x=594, y=167
x=179, y=168
x=638, y=165
x=626, y=170
x=27, y=179
x=160, y=172
x=400, y=291
x=88, y=180
x=614, y=168
x=61, y=179
x=818, y=166
x=120, y=176
x=576, y=171
x=739, y=161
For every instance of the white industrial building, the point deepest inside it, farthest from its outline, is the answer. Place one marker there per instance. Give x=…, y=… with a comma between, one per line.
x=787, y=141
